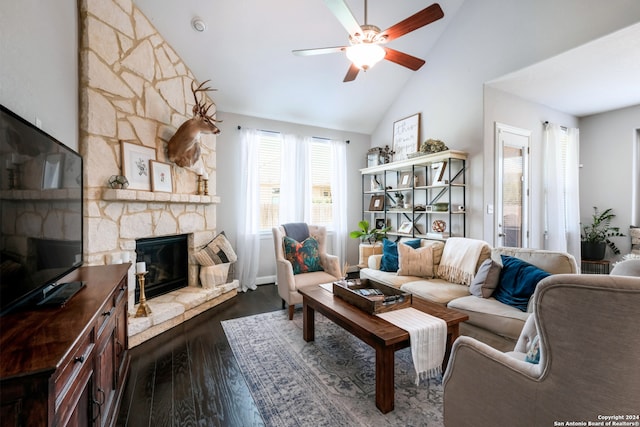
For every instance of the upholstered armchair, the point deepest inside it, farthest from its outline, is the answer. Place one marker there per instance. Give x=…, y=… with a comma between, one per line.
x=589, y=342
x=288, y=282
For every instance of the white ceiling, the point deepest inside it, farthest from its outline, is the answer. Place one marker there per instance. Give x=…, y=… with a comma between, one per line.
x=599, y=76
x=246, y=52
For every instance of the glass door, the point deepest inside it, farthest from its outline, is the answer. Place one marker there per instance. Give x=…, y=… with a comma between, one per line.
x=512, y=186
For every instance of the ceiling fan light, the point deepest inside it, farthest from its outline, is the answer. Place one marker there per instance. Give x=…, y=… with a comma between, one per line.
x=365, y=55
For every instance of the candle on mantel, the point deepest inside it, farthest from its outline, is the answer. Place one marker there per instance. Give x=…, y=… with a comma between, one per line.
x=205, y=175
x=141, y=267
x=200, y=170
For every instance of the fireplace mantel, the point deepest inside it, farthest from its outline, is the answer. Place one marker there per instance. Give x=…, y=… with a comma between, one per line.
x=115, y=195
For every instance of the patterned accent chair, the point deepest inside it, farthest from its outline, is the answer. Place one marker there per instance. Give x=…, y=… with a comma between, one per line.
x=289, y=283
x=589, y=342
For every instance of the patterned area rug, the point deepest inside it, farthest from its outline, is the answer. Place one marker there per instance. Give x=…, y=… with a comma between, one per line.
x=328, y=382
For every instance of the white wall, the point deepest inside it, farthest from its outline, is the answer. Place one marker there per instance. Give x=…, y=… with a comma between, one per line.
x=511, y=110
x=606, y=175
x=39, y=64
x=228, y=170
x=486, y=40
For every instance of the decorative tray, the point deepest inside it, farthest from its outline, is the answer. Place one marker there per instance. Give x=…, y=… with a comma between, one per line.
x=370, y=296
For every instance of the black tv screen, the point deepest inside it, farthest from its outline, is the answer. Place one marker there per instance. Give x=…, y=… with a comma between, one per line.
x=41, y=212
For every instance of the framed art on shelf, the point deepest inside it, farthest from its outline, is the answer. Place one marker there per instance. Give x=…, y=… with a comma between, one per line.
x=161, y=177
x=405, y=136
x=405, y=180
x=405, y=227
x=376, y=203
x=135, y=165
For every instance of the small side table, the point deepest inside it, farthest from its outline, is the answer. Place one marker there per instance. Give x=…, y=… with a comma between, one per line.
x=595, y=267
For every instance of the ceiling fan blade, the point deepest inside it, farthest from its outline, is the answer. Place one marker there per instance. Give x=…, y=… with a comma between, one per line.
x=351, y=74
x=403, y=59
x=318, y=51
x=342, y=12
x=420, y=19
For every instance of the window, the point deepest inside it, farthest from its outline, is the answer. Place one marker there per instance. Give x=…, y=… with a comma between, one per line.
x=270, y=161
x=321, y=202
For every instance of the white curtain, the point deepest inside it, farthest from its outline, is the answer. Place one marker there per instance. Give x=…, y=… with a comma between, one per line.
x=339, y=197
x=248, y=240
x=295, y=180
x=562, y=203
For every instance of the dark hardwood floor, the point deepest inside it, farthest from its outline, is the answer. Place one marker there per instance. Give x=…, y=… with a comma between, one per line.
x=188, y=375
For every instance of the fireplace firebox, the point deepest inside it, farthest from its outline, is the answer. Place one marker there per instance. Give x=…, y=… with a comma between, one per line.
x=167, y=263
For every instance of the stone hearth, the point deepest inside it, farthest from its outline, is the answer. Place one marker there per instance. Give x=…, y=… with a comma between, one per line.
x=135, y=88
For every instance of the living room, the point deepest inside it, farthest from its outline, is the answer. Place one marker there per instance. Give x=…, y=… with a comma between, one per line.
x=453, y=93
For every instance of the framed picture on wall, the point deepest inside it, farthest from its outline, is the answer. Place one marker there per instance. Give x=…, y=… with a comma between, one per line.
x=405, y=136
x=135, y=165
x=161, y=178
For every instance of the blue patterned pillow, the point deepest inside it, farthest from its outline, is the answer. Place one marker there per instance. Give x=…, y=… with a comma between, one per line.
x=389, y=261
x=518, y=280
x=303, y=256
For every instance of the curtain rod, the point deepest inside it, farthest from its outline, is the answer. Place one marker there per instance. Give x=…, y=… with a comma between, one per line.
x=315, y=137
x=546, y=123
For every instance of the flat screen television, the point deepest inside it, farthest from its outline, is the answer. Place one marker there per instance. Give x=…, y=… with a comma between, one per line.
x=41, y=205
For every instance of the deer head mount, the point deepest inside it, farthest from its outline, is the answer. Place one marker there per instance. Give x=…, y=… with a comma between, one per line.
x=184, y=146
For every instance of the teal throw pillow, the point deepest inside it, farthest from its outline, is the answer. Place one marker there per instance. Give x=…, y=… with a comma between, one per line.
x=303, y=256
x=533, y=355
x=518, y=280
x=389, y=261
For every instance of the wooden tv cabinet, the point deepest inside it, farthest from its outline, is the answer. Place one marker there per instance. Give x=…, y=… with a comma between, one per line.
x=66, y=366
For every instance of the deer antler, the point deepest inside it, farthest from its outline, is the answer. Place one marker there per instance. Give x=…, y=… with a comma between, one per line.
x=200, y=107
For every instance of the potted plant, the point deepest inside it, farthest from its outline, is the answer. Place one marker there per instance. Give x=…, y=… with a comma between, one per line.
x=595, y=236
x=369, y=238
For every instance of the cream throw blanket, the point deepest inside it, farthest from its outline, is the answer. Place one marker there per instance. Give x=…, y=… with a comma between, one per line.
x=459, y=259
x=428, y=338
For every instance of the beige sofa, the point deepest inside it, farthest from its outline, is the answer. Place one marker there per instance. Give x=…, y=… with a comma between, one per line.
x=490, y=321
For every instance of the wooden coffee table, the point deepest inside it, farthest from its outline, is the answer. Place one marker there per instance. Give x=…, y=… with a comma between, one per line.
x=383, y=336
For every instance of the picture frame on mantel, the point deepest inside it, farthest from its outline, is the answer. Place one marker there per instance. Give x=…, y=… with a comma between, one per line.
x=406, y=133
x=135, y=165
x=161, y=176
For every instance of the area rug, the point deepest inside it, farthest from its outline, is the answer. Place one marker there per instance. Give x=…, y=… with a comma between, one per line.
x=328, y=382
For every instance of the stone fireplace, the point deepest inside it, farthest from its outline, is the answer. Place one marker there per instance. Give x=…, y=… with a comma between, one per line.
x=135, y=88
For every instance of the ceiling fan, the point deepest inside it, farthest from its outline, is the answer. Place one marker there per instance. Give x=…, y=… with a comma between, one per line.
x=365, y=48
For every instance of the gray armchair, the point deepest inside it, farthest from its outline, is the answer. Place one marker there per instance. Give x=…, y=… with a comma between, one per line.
x=589, y=347
x=289, y=283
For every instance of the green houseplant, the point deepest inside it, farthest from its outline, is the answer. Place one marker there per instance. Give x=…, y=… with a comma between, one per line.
x=595, y=236
x=369, y=237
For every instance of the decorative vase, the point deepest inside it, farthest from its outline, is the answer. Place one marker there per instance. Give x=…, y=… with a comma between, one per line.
x=593, y=250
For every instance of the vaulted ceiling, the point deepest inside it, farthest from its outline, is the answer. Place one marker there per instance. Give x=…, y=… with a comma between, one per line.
x=246, y=52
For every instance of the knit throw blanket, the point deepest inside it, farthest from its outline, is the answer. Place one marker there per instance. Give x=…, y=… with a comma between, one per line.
x=459, y=259
x=428, y=338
